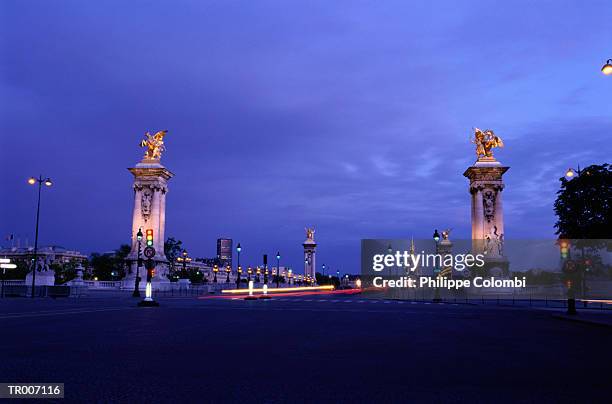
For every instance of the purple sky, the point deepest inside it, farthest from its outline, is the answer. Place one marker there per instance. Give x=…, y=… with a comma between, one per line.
x=353, y=117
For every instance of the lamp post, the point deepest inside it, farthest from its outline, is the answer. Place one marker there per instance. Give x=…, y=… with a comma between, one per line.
x=436, y=237
x=249, y=272
x=570, y=173
x=238, y=269
x=258, y=272
x=228, y=269
x=215, y=270
x=137, y=280
x=48, y=183
x=184, y=260
x=323, y=270
x=278, y=269
x=607, y=68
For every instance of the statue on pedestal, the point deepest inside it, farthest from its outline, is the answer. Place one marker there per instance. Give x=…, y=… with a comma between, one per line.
x=484, y=142
x=154, y=144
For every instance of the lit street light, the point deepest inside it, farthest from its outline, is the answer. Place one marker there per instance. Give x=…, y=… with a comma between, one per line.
x=238, y=268
x=184, y=259
x=48, y=183
x=607, y=68
x=436, y=237
x=228, y=269
x=215, y=270
x=278, y=269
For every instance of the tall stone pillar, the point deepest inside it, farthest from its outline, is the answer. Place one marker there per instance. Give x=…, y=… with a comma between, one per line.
x=486, y=186
x=150, y=189
x=310, y=254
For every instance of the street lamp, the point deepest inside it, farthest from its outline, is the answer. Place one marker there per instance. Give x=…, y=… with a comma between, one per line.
x=228, y=269
x=258, y=272
x=238, y=269
x=215, y=270
x=138, y=262
x=571, y=173
x=323, y=269
x=607, y=68
x=184, y=260
x=436, y=237
x=48, y=183
x=278, y=269
x=249, y=272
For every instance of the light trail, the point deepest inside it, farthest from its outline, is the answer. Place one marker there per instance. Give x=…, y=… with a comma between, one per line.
x=291, y=294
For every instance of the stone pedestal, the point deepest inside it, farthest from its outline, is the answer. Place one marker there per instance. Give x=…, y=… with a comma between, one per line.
x=150, y=189
x=43, y=278
x=310, y=255
x=486, y=186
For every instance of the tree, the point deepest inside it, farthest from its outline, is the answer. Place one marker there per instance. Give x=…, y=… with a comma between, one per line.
x=583, y=204
x=172, y=250
x=110, y=266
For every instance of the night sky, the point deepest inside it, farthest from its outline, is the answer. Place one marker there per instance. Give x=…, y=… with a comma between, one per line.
x=350, y=116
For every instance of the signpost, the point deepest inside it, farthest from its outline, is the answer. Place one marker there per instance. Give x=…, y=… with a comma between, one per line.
x=148, y=301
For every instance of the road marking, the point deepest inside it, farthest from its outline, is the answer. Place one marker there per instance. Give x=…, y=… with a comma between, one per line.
x=59, y=313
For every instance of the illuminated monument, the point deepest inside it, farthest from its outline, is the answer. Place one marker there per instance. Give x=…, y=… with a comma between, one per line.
x=310, y=254
x=150, y=189
x=486, y=186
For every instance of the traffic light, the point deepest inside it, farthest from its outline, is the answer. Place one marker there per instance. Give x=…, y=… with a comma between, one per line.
x=150, y=237
x=564, y=246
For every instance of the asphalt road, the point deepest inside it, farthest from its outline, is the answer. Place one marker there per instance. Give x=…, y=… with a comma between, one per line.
x=303, y=349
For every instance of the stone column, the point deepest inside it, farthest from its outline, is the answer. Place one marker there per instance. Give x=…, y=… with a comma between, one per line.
x=486, y=182
x=150, y=177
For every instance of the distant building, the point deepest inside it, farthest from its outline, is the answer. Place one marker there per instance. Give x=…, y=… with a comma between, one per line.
x=224, y=251
x=46, y=255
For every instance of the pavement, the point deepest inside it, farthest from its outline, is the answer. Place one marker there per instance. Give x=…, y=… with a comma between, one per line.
x=336, y=348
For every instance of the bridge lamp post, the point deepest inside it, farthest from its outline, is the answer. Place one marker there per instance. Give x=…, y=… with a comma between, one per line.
x=48, y=183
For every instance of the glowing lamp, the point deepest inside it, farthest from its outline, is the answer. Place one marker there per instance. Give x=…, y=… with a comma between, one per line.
x=607, y=68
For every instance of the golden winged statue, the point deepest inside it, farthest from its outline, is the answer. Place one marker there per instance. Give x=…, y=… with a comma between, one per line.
x=154, y=144
x=485, y=141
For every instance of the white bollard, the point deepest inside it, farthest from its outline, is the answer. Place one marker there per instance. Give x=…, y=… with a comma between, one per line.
x=250, y=288
x=265, y=289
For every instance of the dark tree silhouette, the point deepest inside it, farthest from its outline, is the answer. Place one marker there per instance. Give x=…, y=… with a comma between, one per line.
x=583, y=204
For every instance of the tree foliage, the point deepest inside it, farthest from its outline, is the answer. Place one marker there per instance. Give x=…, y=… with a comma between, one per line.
x=110, y=266
x=172, y=250
x=583, y=204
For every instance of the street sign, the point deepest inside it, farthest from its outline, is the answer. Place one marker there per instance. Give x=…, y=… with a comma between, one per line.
x=149, y=252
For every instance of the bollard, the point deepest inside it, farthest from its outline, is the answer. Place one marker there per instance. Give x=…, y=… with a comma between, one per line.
x=250, y=296
x=265, y=292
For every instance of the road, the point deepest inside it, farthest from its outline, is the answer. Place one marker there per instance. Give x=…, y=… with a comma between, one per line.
x=301, y=349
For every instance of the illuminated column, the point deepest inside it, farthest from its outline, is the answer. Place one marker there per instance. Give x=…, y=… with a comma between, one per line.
x=310, y=254
x=150, y=189
x=486, y=185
